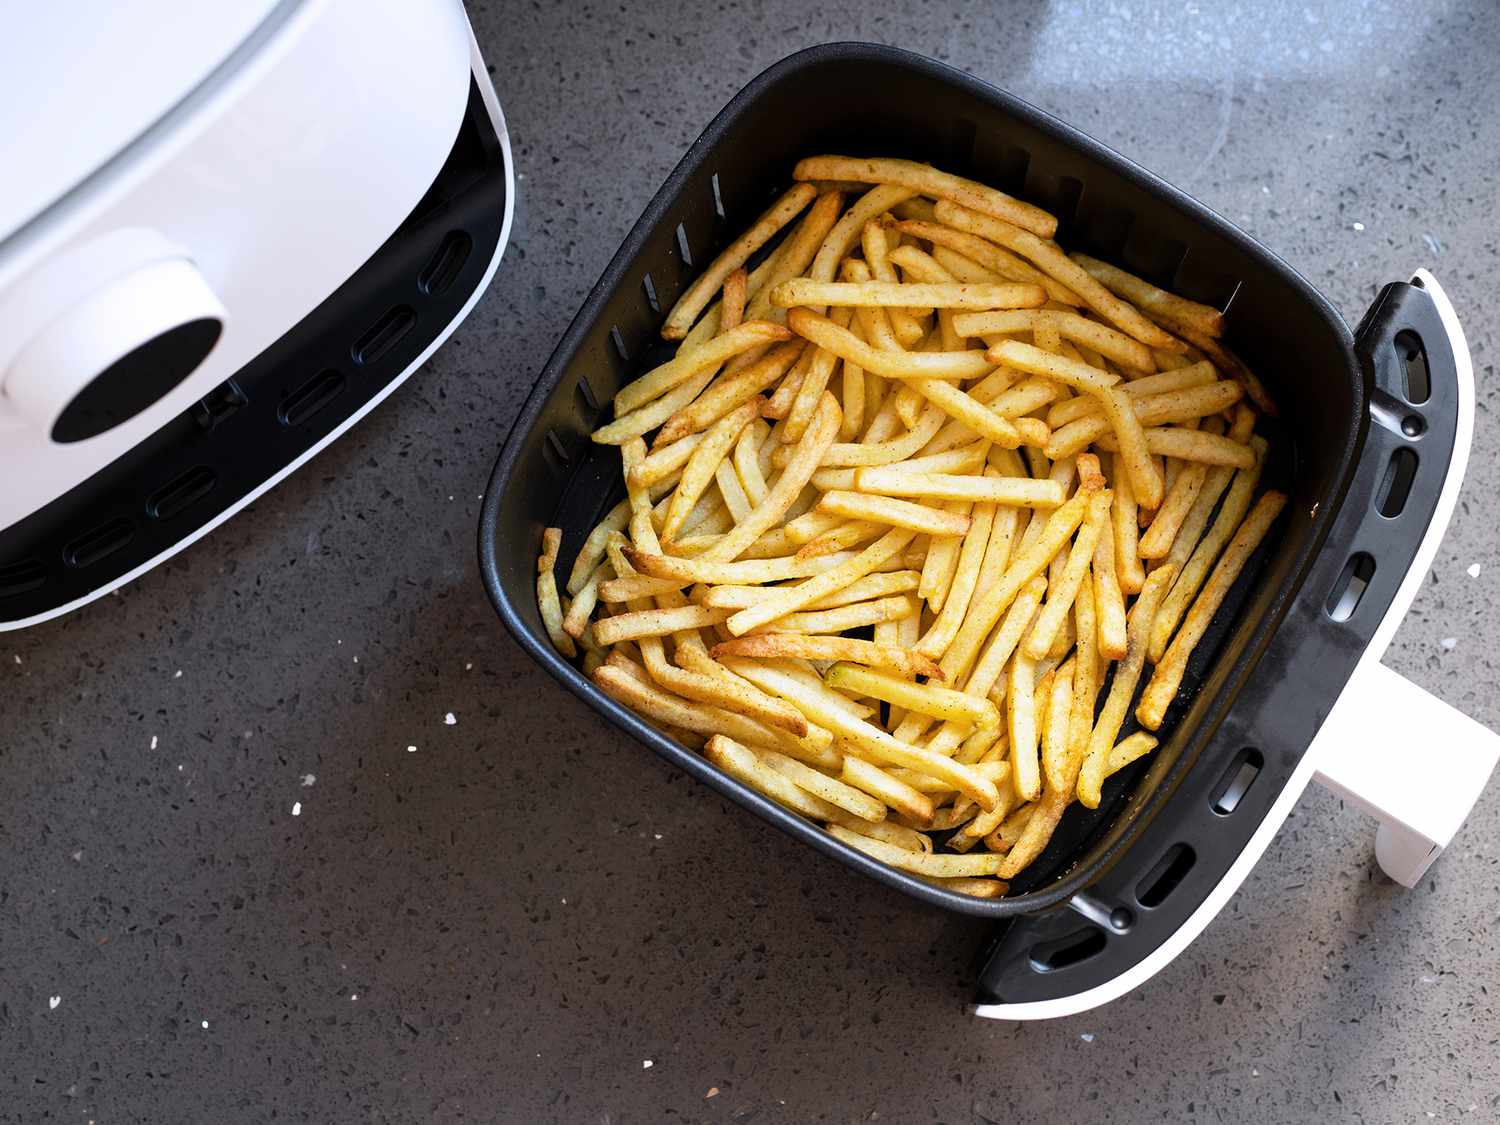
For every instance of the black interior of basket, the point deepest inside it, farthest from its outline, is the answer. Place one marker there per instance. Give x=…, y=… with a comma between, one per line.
x=861, y=108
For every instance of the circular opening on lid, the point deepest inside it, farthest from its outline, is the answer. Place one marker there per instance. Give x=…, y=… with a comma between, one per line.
x=136, y=380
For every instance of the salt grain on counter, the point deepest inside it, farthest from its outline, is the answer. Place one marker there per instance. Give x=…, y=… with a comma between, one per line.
x=308, y=780
x=296, y=808
x=411, y=749
x=450, y=719
x=177, y=675
x=153, y=742
x=53, y=1002
x=647, y=1064
x=1087, y=1037
x=1359, y=226
x=1449, y=643
x=205, y=1025
x=1474, y=569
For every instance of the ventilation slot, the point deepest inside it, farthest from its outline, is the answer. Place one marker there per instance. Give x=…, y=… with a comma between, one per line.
x=22, y=578
x=1343, y=599
x=384, y=335
x=99, y=544
x=587, y=400
x=1237, y=780
x=618, y=340
x=1395, y=486
x=311, y=397
x=180, y=494
x=649, y=287
x=558, y=450
x=718, y=196
x=1164, y=878
x=444, y=267
x=682, y=245
x=1414, y=361
x=1064, y=952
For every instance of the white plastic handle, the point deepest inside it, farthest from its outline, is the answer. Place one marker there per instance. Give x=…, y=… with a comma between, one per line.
x=1406, y=757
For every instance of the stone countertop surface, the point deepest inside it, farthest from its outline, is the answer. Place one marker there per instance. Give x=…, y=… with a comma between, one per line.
x=253, y=871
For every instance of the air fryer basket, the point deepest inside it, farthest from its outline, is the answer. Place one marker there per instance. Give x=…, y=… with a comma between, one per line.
x=1259, y=686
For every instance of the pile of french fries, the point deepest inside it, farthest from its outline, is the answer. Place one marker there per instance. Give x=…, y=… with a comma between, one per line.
x=922, y=487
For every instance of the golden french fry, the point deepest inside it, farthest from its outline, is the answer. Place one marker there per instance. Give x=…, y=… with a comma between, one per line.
x=942, y=558
x=919, y=863
x=591, y=554
x=736, y=293
x=1020, y=703
x=744, y=765
x=1035, y=361
x=1103, y=339
x=888, y=294
x=959, y=588
x=825, y=788
x=1159, y=537
x=796, y=253
x=1145, y=481
x=655, y=623
x=685, y=365
x=1058, y=730
x=1109, y=601
x=854, y=616
x=1134, y=746
x=791, y=598
x=925, y=180
x=846, y=233
x=774, y=646
x=1053, y=262
x=1178, y=405
x=547, y=600
x=1178, y=379
x=814, y=383
x=734, y=256
x=1090, y=472
x=871, y=586
x=1062, y=591
x=969, y=257
x=1150, y=299
x=1122, y=688
x=1131, y=574
x=889, y=364
x=1016, y=491
x=1192, y=445
x=1167, y=677
x=866, y=737
x=698, y=473
x=724, y=395
x=974, y=888
x=892, y=792
x=929, y=699
x=897, y=513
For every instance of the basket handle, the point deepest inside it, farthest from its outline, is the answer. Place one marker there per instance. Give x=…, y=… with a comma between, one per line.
x=1391, y=748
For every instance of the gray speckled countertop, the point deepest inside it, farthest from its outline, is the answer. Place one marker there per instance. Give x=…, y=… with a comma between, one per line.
x=505, y=924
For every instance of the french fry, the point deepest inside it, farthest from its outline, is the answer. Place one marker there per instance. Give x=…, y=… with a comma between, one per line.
x=1134, y=746
x=548, y=602
x=797, y=252
x=1145, y=480
x=919, y=863
x=1109, y=601
x=735, y=295
x=1178, y=379
x=744, y=765
x=1062, y=591
x=888, y=294
x=845, y=234
x=1035, y=361
x=968, y=257
x=889, y=364
x=775, y=646
x=591, y=554
x=1020, y=704
x=968, y=411
x=1057, y=730
x=854, y=616
x=788, y=599
x=1122, y=689
x=897, y=513
x=871, y=586
x=960, y=587
x=1126, y=531
x=733, y=257
x=655, y=623
x=942, y=558
x=1157, y=542
x=698, y=473
x=1167, y=677
x=1152, y=300
x=814, y=383
x=866, y=737
x=1053, y=262
x=939, y=702
x=685, y=365
x=1191, y=445
x=724, y=395
x=892, y=792
x=1018, y=492
x=923, y=179
x=825, y=788
x=1102, y=338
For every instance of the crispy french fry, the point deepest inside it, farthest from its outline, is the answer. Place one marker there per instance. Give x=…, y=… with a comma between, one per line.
x=845, y=234
x=1035, y=361
x=814, y=383
x=1018, y=492
x=871, y=586
x=1057, y=736
x=685, y=365
x=1191, y=445
x=1102, y=338
x=1122, y=688
x=929, y=699
x=920, y=863
x=1062, y=591
x=1152, y=300
x=548, y=602
x=1167, y=677
x=724, y=395
x=775, y=646
x=736, y=294
x=744, y=765
x=892, y=792
x=889, y=364
x=925, y=180
x=591, y=554
x=1145, y=479
x=1178, y=379
x=1157, y=542
x=896, y=513
x=1134, y=746
x=854, y=616
x=797, y=252
x=1053, y=262
x=788, y=599
x=942, y=558
x=1020, y=704
x=1126, y=530
x=718, y=272
x=959, y=590
x=968, y=257
x=1109, y=601
x=825, y=788
x=698, y=473
x=888, y=294
x=655, y=623
x=1178, y=405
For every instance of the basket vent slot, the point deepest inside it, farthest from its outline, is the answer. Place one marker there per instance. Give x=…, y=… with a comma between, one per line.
x=311, y=397
x=718, y=196
x=97, y=545
x=682, y=245
x=1165, y=876
x=1414, y=360
x=22, y=577
x=1237, y=779
x=618, y=340
x=181, y=493
x=1064, y=952
x=587, y=399
x=1395, y=486
x=649, y=287
x=1350, y=587
x=558, y=449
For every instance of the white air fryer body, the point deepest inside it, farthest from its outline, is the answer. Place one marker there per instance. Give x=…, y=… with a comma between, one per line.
x=185, y=184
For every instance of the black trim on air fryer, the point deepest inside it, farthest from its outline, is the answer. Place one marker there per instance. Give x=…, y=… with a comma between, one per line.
x=280, y=404
x=1184, y=852
x=548, y=470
